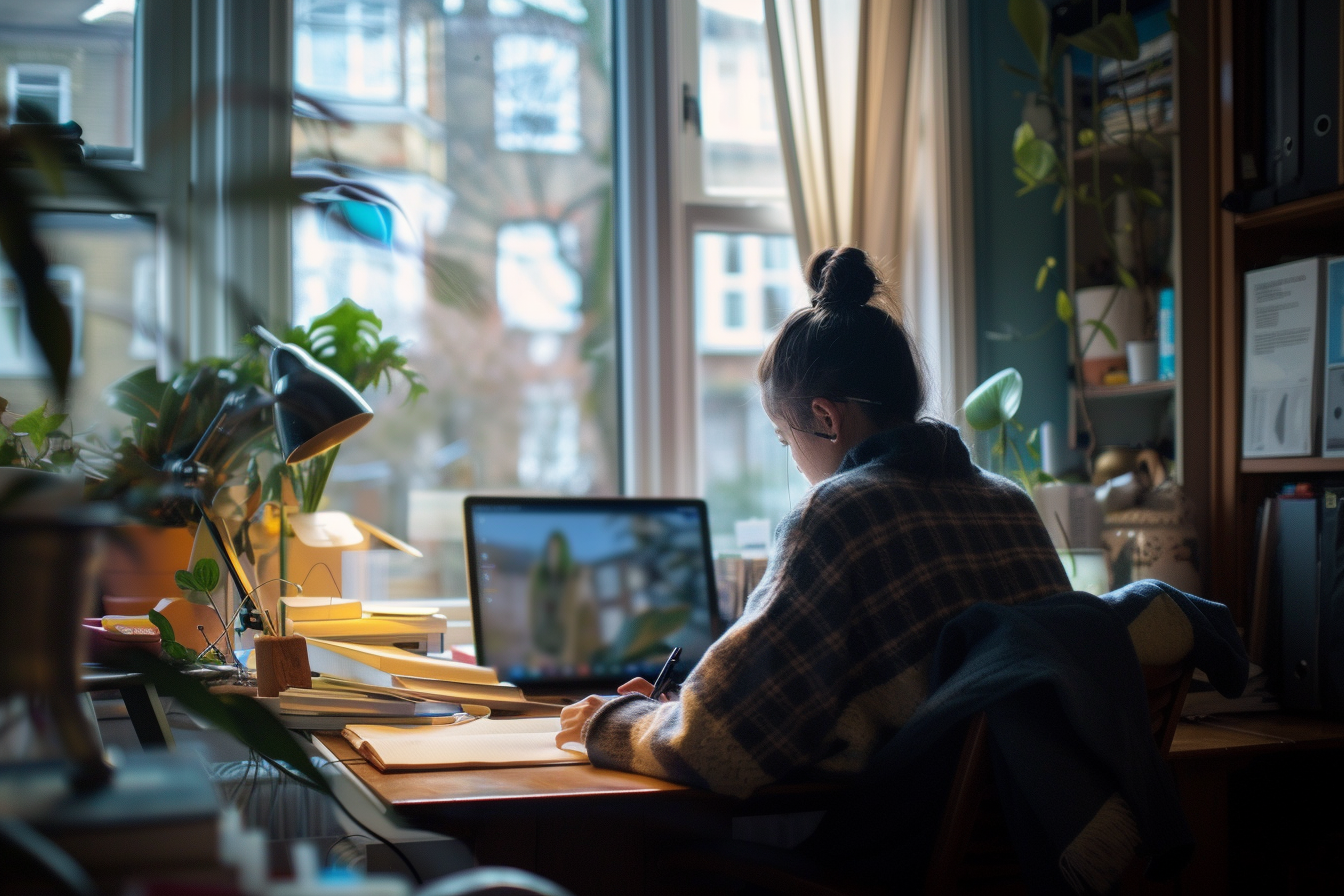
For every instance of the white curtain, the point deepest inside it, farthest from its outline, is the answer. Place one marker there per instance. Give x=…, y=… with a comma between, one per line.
x=872, y=106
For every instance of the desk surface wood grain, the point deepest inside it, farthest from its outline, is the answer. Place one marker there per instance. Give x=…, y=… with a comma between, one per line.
x=470, y=793
x=1251, y=734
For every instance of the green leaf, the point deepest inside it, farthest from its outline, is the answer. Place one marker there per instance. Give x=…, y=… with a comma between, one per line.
x=1126, y=278
x=138, y=395
x=1148, y=196
x=1113, y=37
x=1033, y=155
x=1024, y=134
x=1025, y=178
x=206, y=573
x=9, y=455
x=1087, y=137
x=1063, y=307
x=1032, y=21
x=234, y=714
x=163, y=625
x=179, y=652
x=200, y=598
x=995, y=401
x=37, y=425
x=1104, y=330
x=1041, y=275
x=186, y=581
x=1060, y=198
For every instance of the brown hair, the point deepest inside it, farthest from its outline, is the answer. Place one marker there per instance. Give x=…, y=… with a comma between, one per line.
x=844, y=345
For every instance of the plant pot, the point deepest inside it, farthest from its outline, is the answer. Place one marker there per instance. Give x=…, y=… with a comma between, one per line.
x=141, y=562
x=50, y=584
x=1125, y=320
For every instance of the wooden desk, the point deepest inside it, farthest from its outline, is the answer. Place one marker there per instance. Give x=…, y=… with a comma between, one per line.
x=547, y=819
x=1205, y=757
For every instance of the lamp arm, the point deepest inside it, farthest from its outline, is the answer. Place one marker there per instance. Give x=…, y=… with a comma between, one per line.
x=234, y=410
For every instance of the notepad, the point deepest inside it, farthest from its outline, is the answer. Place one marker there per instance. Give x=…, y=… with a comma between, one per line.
x=485, y=743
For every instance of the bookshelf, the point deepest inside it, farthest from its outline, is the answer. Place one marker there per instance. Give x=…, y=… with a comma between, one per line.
x=1139, y=414
x=1218, y=248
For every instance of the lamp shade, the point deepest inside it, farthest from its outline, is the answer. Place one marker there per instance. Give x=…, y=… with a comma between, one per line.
x=315, y=408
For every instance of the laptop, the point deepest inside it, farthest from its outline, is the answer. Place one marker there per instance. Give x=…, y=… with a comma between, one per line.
x=574, y=596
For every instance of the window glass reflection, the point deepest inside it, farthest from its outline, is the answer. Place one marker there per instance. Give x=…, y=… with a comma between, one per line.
x=742, y=294
x=741, y=154
x=497, y=265
x=64, y=62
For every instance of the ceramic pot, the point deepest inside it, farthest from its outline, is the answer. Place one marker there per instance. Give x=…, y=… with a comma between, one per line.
x=1154, y=540
x=1152, y=544
x=1113, y=461
x=49, y=587
x=1125, y=319
x=142, y=560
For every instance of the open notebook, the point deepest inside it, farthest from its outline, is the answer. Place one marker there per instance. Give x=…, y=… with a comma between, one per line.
x=484, y=743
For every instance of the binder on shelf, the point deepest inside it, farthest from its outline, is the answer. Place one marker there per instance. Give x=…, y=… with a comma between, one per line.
x=1320, y=97
x=1282, y=368
x=1311, y=599
x=1298, y=602
x=1283, y=95
x=1332, y=426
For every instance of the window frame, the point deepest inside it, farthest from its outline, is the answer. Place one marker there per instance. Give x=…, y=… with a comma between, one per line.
x=15, y=73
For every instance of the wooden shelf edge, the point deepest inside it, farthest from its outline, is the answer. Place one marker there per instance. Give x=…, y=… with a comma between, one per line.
x=1292, y=465
x=1157, y=387
x=1299, y=211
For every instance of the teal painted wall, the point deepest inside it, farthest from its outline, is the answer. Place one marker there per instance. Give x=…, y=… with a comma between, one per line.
x=1012, y=235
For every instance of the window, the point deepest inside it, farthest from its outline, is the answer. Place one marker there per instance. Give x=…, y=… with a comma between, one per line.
x=536, y=94
x=499, y=272
x=61, y=65
x=99, y=264
x=740, y=152
x=112, y=263
x=38, y=93
x=746, y=276
x=348, y=49
x=734, y=310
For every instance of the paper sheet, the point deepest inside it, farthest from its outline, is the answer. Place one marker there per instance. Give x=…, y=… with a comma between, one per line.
x=485, y=743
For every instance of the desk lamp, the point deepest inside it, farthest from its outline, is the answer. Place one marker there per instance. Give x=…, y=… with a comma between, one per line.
x=315, y=410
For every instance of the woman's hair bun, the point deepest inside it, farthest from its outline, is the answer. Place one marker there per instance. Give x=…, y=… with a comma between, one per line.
x=841, y=277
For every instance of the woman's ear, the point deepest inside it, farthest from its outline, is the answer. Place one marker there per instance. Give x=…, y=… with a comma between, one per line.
x=827, y=416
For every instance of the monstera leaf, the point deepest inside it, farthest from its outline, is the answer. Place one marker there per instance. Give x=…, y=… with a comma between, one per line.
x=995, y=401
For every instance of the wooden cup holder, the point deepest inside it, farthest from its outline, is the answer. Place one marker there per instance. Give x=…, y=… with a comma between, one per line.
x=282, y=662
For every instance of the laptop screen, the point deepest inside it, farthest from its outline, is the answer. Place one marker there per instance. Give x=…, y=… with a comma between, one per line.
x=589, y=589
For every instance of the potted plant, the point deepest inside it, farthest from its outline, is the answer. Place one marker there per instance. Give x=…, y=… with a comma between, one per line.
x=348, y=339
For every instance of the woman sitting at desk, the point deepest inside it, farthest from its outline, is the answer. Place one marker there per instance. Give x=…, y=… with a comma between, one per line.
x=899, y=533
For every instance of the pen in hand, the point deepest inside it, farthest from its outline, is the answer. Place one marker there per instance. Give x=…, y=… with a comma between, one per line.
x=664, y=678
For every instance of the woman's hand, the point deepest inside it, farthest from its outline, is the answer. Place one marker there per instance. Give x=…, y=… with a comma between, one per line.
x=574, y=717
x=640, y=686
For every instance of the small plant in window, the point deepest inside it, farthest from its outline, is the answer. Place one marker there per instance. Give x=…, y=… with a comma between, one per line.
x=34, y=440
x=348, y=339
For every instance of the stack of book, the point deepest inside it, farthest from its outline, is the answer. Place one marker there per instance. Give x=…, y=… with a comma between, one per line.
x=1137, y=95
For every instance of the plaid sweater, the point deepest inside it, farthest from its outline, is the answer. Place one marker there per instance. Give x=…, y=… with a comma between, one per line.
x=831, y=654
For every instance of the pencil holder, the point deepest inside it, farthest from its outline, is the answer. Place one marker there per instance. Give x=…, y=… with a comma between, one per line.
x=282, y=662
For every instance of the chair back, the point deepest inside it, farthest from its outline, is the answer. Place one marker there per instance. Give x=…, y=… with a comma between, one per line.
x=974, y=851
